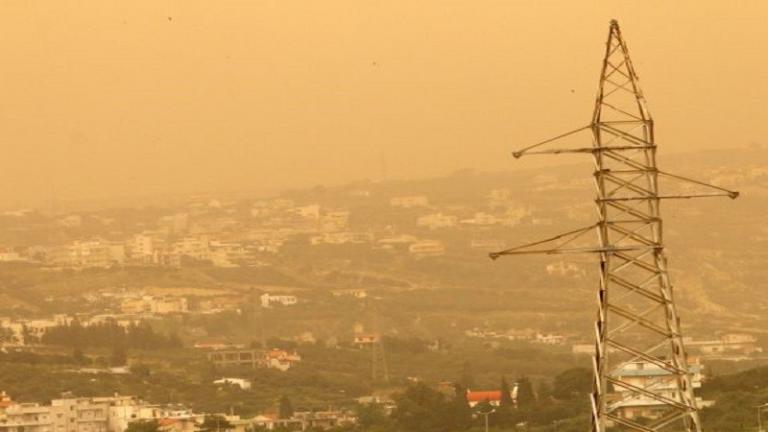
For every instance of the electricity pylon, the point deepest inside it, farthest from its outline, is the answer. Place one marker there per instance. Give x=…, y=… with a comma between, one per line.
x=379, y=366
x=637, y=321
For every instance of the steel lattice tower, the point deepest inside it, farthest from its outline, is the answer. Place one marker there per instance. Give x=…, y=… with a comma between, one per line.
x=637, y=320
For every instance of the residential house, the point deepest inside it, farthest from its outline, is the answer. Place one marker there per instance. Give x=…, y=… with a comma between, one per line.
x=244, y=384
x=726, y=346
x=436, y=220
x=493, y=397
x=236, y=358
x=365, y=339
x=427, y=248
x=280, y=359
x=409, y=201
x=268, y=300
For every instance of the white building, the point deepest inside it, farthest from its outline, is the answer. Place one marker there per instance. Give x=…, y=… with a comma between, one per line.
x=352, y=292
x=71, y=221
x=27, y=417
x=93, y=414
x=566, y=269
x=728, y=345
x=583, y=348
x=140, y=249
x=244, y=384
x=335, y=220
x=427, y=248
x=488, y=244
x=481, y=218
x=227, y=254
x=409, y=201
x=193, y=247
x=176, y=223
x=156, y=305
x=87, y=253
x=32, y=327
x=304, y=420
x=550, y=339
x=399, y=241
x=437, y=220
x=311, y=211
x=338, y=238
x=267, y=300
x=8, y=255
x=65, y=415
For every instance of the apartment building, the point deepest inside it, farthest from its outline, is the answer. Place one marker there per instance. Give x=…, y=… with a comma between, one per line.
x=87, y=253
x=64, y=415
x=642, y=374
x=92, y=414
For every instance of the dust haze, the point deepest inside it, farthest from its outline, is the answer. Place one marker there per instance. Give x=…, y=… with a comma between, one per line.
x=250, y=216
x=105, y=99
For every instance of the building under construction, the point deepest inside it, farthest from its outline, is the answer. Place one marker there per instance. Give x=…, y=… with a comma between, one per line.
x=643, y=381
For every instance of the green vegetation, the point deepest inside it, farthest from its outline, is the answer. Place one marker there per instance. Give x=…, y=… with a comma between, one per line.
x=108, y=335
x=285, y=408
x=334, y=377
x=143, y=426
x=736, y=398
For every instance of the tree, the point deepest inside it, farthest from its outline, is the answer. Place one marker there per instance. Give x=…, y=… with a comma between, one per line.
x=503, y=415
x=461, y=410
x=7, y=335
x=525, y=395
x=372, y=416
x=141, y=370
x=506, y=394
x=118, y=357
x=78, y=357
x=572, y=383
x=467, y=379
x=143, y=426
x=423, y=409
x=285, y=409
x=108, y=335
x=214, y=423
x=26, y=335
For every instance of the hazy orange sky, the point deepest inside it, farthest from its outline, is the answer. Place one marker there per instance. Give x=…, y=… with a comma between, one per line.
x=103, y=97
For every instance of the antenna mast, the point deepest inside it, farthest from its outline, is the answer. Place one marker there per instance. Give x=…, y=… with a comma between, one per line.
x=637, y=322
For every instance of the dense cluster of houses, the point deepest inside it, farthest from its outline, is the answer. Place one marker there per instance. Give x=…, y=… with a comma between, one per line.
x=528, y=335
x=224, y=235
x=130, y=307
x=117, y=413
x=274, y=358
x=17, y=331
x=729, y=346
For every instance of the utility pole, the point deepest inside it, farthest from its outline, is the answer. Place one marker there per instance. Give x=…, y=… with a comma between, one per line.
x=486, y=414
x=760, y=409
x=379, y=367
x=637, y=319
